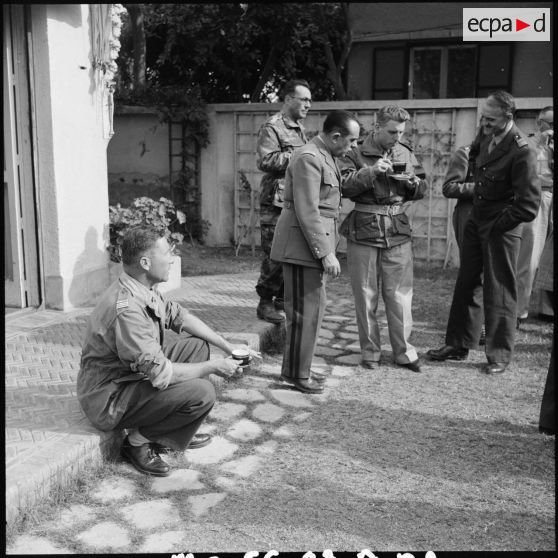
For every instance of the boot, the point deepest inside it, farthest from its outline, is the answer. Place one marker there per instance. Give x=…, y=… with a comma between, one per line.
x=267, y=312
x=279, y=304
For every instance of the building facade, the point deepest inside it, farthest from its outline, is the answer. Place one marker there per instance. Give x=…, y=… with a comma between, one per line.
x=57, y=61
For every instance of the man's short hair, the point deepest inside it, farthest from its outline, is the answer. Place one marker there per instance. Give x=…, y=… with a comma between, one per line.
x=544, y=110
x=338, y=121
x=291, y=85
x=503, y=100
x=137, y=241
x=392, y=112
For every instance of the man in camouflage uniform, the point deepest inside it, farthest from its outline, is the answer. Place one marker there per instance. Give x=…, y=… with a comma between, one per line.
x=379, y=249
x=278, y=137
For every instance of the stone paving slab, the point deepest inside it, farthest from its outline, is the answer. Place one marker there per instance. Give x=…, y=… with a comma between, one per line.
x=48, y=439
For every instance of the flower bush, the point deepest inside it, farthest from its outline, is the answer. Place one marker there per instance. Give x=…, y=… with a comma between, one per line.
x=160, y=214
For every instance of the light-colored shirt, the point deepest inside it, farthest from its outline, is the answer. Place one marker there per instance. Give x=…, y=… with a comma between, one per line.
x=123, y=344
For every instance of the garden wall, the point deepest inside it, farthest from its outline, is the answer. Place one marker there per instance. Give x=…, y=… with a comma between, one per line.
x=138, y=163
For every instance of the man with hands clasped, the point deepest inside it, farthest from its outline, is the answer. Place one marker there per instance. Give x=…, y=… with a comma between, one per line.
x=133, y=375
x=379, y=234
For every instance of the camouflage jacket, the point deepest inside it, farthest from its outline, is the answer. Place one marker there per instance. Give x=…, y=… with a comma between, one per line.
x=278, y=137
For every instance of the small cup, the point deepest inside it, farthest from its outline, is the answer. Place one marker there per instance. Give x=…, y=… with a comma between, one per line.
x=242, y=355
x=398, y=167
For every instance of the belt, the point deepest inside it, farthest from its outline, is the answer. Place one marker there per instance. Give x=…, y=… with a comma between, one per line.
x=395, y=209
x=324, y=211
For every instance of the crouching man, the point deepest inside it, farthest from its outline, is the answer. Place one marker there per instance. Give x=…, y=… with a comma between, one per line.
x=132, y=376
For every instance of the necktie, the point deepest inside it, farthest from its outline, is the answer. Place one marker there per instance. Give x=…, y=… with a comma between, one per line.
x=492, y=144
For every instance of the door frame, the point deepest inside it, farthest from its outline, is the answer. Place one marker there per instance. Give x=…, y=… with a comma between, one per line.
x=22, y=269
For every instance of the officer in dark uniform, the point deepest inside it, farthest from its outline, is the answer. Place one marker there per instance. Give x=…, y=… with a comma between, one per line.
x=506, y=194
x=279, y=136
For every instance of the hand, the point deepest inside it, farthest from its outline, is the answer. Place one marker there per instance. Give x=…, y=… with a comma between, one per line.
x=412, y=182
x=225, y=367
x=381, y=166
x=331, y=265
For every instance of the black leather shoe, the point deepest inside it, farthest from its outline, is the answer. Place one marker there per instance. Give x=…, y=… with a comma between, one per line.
x=266, y=311
x=318, y=377
x=198, y=441
x=370, y=364
x=306, y=386
x=547, y=431
x=447, y=352
x=494, y=368
x=279, y=304
x=414, y=366
x=145, y=459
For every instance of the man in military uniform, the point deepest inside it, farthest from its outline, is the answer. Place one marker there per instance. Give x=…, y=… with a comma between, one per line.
x=507, y=194
x=535, y=232
x=305, y=241
x=278, y=137
x=132, y=376
x=379, y=235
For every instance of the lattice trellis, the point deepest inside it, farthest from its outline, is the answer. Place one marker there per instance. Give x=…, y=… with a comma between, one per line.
x=430, y=131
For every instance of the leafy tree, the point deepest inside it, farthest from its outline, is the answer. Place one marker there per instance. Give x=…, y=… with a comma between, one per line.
x=234, y=52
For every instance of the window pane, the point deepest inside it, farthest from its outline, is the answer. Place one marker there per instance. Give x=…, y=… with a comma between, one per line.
x=494, y=66
x=426, y=74
x=389, y=69
x=461, y=73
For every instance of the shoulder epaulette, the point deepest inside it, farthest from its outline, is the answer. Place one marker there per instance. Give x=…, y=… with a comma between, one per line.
x=521, y=142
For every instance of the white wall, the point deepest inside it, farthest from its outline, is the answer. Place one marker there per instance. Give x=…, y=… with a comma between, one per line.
x=72, y=137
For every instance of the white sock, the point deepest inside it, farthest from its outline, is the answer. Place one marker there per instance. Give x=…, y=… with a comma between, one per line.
x=135, y=438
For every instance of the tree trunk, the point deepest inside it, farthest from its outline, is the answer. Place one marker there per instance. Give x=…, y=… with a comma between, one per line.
x=266, y=71
x=334, y=69
x=138, y=37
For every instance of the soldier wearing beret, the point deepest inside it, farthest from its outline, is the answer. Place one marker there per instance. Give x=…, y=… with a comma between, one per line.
x=506, y=194
x=305, y=242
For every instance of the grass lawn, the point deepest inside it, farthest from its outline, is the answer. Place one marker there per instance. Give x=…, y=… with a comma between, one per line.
x=448, y=459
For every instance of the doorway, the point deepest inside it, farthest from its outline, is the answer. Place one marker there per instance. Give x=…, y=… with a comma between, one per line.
x=21, y=263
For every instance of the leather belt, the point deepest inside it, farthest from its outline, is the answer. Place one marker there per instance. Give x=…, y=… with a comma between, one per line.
x=395, y=209
x=324, y=211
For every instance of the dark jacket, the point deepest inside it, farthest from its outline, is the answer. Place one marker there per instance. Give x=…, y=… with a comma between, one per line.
x=307, y=227
x=361, y=186
x=507, y=187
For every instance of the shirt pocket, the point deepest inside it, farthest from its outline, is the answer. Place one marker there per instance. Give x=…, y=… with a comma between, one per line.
x=495, y=186
x=367, y=226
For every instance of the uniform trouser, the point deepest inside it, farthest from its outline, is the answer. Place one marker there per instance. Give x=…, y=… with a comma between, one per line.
x=305, y=302
x=394, y=266
x=460, y=216
x=172, y=416
x=488, y=258
x=533, y=238
x=270, y=282
x=547, y=417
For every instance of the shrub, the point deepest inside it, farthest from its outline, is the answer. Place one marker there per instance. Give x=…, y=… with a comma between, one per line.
x=161, y=214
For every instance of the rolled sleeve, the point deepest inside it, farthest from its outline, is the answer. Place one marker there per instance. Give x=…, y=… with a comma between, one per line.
x=138, y=348
x=174, y=316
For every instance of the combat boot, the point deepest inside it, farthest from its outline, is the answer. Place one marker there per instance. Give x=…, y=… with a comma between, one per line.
x=266, y=311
